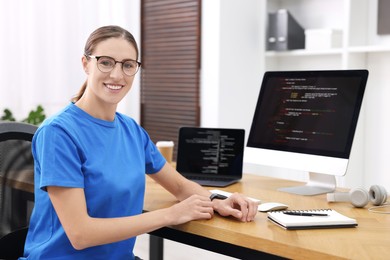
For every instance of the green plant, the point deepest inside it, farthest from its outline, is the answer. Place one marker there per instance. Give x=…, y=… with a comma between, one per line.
x=7, y=116
x=35, y=117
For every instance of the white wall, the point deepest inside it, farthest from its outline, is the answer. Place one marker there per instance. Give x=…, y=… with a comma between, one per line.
x=232, y=50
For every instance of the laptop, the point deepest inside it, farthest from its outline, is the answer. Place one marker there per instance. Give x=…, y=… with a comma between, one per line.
x=211, y=156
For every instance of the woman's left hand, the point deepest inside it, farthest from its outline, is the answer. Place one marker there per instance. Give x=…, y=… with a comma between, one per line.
x=238, y=206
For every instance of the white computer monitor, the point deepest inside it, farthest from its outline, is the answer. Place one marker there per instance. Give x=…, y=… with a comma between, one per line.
x=306, y=120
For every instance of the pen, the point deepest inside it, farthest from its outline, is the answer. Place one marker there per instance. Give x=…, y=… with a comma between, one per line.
x=306, y=214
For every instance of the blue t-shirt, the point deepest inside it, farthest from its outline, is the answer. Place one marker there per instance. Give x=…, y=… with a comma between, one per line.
x=107, y=159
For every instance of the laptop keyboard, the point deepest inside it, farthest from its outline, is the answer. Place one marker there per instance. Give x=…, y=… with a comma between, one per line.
x=207, y=178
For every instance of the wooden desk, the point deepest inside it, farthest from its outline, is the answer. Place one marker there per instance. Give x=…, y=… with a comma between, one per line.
x=261, y=238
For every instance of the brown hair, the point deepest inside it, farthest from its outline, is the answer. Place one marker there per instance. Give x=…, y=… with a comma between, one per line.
x=99, y=35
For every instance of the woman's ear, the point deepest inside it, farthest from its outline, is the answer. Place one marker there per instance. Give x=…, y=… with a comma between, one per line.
x=85, y=63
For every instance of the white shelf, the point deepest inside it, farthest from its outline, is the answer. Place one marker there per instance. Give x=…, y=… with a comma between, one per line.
x=356, y=19
x=338, y=51
x=298, y=53
x=369, y=49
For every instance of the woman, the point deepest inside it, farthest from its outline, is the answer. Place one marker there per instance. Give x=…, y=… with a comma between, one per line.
x=90, y=164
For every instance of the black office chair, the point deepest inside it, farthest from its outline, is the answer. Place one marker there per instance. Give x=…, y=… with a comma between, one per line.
x=16, y=163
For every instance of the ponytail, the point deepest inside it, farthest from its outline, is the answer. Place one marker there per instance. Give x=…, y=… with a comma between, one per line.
x=80, y=93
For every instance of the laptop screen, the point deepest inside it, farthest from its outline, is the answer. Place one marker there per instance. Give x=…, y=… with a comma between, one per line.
x=210, y=151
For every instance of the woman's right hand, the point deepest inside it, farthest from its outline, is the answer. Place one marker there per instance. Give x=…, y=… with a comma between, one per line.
x=192, y=208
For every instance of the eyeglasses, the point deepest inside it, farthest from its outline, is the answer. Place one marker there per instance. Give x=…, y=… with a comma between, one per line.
x=106, y=64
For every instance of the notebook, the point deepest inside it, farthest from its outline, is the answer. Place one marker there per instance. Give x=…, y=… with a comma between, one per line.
x=311, y=219
x=211, y=156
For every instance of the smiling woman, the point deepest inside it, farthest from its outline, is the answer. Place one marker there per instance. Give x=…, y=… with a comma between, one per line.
x=111, y=43
x=91, y=163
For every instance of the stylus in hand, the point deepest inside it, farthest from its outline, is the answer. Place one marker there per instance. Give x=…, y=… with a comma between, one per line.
x=306, y=214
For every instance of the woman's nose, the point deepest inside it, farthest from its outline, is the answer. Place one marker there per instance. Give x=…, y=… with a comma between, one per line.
x=117, y=70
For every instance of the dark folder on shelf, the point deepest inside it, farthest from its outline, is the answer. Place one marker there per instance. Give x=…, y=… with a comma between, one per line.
x=284, y=32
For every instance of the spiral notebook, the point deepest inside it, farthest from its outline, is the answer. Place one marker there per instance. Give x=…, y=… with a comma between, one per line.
x=311, y=219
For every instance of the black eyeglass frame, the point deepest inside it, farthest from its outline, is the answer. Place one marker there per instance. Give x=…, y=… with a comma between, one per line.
x=116, y=61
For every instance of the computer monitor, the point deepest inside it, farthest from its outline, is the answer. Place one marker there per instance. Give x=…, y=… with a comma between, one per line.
x=306, y=120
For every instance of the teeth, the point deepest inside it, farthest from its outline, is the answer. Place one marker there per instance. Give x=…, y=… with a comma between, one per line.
x=114, y=87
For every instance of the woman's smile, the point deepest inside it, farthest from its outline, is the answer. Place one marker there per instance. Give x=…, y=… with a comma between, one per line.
x=114, y=86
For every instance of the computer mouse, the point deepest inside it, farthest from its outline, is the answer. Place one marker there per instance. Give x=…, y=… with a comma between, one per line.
x=270, y=206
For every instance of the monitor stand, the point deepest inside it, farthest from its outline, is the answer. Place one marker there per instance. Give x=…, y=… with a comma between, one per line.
x=318, y=184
